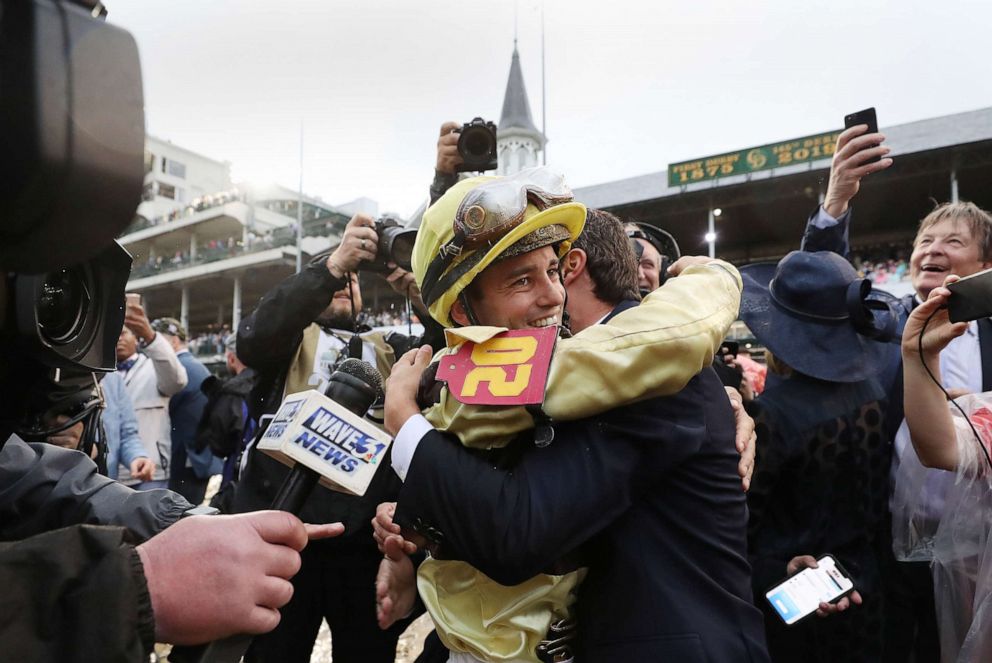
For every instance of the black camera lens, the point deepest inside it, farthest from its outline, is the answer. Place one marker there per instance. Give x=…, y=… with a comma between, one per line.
x=477, y=146
x=402, y=249
x=62, y=302
x=478, y=142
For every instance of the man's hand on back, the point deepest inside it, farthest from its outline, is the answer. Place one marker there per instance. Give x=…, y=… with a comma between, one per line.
x=744, y=437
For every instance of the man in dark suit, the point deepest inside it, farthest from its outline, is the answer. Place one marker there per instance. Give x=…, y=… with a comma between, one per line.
x=955, y=238
x=646, y=496
x=191, y=469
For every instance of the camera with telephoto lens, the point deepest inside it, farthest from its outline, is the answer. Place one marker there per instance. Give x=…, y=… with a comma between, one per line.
x=477, y=146
x=395, y=246
x=72, y=118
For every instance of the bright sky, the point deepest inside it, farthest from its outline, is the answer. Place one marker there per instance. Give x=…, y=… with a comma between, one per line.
x=631, y=86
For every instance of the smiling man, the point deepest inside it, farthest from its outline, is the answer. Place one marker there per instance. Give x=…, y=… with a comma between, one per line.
x=955, y=238
x=646, y=495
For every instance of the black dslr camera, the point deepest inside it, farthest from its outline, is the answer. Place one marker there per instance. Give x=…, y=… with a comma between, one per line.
x=477, y=146
x=72, y=119
x=395, y=245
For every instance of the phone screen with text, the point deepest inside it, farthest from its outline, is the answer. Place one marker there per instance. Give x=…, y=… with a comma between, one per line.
x=802, y=594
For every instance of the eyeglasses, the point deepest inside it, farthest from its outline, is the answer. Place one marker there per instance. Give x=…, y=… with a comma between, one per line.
x=490, y=211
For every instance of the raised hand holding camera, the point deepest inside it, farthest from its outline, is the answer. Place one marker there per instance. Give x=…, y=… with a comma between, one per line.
x=448, y=157
x=359, y=243
x=371, y=245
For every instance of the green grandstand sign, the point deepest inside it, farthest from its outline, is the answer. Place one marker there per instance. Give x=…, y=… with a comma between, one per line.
x=765, y=157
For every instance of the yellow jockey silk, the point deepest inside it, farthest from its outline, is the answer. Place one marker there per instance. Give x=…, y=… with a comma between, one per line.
x=650, y=350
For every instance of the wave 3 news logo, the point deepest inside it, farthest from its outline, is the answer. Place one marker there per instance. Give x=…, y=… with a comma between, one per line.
x=338, y=443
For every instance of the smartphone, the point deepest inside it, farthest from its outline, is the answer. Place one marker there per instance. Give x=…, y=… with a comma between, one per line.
x=730, y=348
x=132, y=298
x=971, y=297
x=866, y=116
x=798, y=596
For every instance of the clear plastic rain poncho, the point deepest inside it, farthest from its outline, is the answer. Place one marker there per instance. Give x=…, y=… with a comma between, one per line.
x=959, y=544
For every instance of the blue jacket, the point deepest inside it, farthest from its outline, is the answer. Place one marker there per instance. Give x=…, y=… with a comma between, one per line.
x=119, y=426
x=648, y=496
x=185, y=411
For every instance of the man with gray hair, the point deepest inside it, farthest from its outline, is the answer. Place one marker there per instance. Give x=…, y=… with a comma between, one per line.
x=955, y=238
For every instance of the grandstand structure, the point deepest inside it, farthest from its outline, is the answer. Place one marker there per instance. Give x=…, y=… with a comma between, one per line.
x=763, y=213
x=203, y=247
x=205, y=251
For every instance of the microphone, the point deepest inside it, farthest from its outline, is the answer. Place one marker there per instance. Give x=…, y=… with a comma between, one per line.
x=355, y=385
x=324, y=438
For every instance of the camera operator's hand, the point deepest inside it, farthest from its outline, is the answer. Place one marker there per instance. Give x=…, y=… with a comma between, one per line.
x=142, y=468
x=136, y=320
x=68, y=438
x=359, y=243
x=214, y=576
x=448, y=158
x=854, y=148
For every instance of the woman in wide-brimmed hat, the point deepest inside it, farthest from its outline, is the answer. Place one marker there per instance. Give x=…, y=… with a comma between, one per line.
x=822, y=481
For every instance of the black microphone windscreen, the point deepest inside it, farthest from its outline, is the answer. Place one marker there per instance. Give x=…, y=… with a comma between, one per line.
x=364, y=371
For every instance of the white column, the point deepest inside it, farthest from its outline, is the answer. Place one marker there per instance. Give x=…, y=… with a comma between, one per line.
x=192, y=247
x=236, y=305
x=184, y=308
x=954, y=185
x=711, y=233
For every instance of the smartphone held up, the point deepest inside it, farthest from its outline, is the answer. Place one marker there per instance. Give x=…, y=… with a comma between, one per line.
x=866, y=116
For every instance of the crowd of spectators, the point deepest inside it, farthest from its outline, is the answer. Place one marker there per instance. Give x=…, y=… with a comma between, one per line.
x=211, y=342
x=883, y=266
x=196, y=205
x=390, y=317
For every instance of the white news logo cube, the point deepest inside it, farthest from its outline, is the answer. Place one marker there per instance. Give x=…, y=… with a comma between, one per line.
x=343, y=448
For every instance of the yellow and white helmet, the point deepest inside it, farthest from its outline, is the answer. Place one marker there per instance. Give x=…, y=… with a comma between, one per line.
x=484, y=219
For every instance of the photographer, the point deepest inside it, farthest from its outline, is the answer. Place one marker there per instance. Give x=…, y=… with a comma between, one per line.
x=462, y=148
x=296, y=336
x=151, y=377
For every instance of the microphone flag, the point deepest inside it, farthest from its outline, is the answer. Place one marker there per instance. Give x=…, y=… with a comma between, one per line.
x=319, y=433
